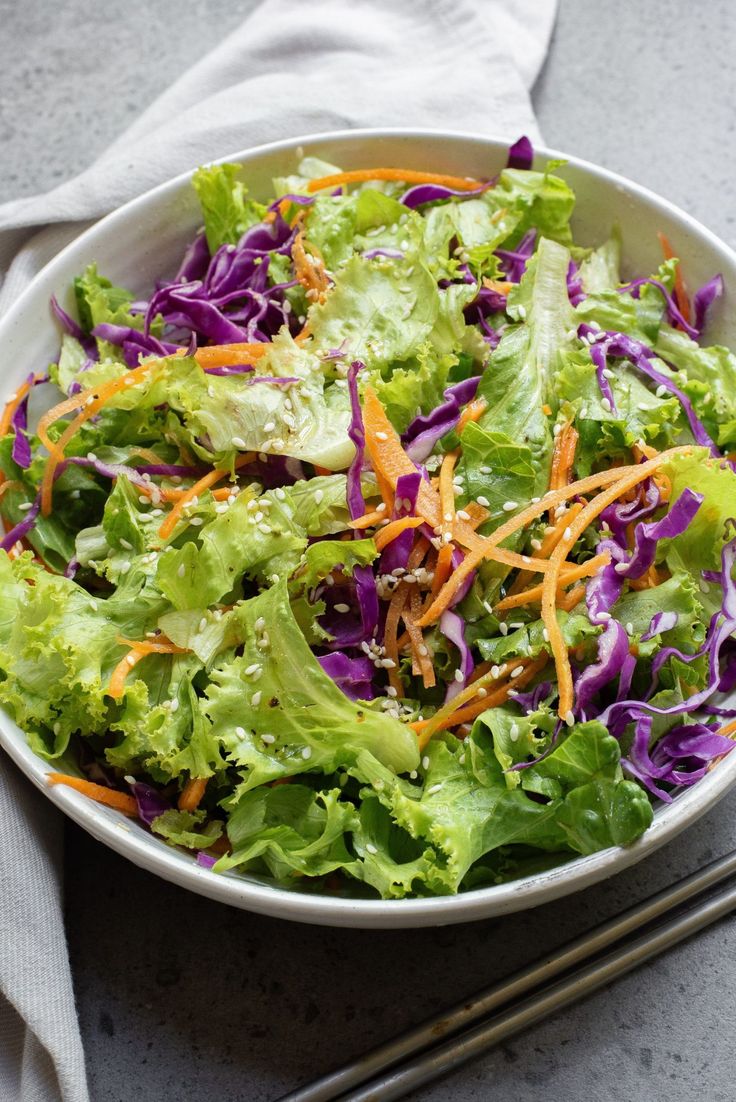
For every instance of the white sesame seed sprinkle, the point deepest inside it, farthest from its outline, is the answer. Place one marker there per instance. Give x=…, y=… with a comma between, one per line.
x=342, y=607
x=503, y=628
x=306, y=752
x=570, y=718
x=509, y=506
x=240, y=732
x=459, y=676
x=181, y=571
x=268, y=740
x=483, y=501
x=425, y=762
x=433, y=790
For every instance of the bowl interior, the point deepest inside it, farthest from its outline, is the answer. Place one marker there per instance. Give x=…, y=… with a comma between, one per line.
x=143, y=241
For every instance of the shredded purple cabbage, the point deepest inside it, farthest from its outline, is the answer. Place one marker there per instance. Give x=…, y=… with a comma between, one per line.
x=21, y=450
x=660, y=622
x=356, y=432
x=22, y=528
x=575, y=291
x=392, y=254
x=704, y=298
x=673, y=311
x=620, y=345
x=426, y=429
x=434, y=193
x=521, y=154
x=149, y=801
x=396, y=554
x=133, y=343
x=353, y=675
x=679, y=758
x=452, y=627
x=205, y=860
x=514, y=262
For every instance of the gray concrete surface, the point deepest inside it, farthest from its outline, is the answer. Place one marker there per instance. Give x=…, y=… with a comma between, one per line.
x=180, y=998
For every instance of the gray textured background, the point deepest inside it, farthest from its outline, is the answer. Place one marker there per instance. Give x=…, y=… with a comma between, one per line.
x=180, y=998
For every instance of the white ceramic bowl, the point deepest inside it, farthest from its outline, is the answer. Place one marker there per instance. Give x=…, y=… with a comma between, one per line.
x=144, y=240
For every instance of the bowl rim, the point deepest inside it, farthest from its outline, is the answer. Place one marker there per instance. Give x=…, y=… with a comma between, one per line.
x=237, y=890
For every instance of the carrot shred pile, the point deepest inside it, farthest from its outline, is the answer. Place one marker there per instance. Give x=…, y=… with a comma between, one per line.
x=399, y=175
x=97, y=792
x=227, y=355
x=472, y=412
x=11, y=406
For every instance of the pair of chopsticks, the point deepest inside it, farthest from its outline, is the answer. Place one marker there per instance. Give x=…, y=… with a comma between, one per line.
x=424, y=1053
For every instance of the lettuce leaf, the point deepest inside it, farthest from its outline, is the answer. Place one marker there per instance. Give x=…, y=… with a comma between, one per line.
x=227, y=210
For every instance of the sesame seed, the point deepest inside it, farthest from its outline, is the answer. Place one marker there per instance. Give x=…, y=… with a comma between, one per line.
x=503, y=628
x=661, y=390
x=280, y=493
x=388, y=663
x=93, y=605
x=462, y=515
x=425, y=762
x=124, y=567
x=381, y=508
x=268, y=739
x=509, y=506
x=92, y=457
x=238, y=442
x=307, y=752
x=433, y=790
x=570, y=718
x=517, y=671
x=181, y=571
x=157, y=512
x=250, y=670
x=128, y=546
x=174, y=705
x=483, y=501
x=495, y=672
x=391, y=691
x=423, y=650
x=629, y=628
x=606, y=404
x=621, y=567
x=240, y=732
x=269, y=426
x=536, y=544
x=318, y=496
x=567, y=534
x=256, y=698
x=607, y=373
x=342, y=607
x=545, y=635
x=514, y=732
x=459, y=676
x=557, y=430
x=381, y=436
x=130, y=660
x=26, y=506
x=370, y=848
x=516, y=624
x=604, y=616
x=196, y=521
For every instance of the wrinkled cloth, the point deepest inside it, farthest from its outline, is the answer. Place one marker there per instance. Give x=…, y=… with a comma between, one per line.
x=290, y=68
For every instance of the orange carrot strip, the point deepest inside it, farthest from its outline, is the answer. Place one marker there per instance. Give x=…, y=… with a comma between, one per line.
x=628, y=478
x=728, y=728
x=198, y=488
x=442, y=569
x=447, y=494
x=138, y=651
x=425, y=729
x=550, y=541
x=225, y=355
x=369, y=520
x=192, y=793
x=404, y=175
x=390, y=641
x=97, y=792
x=487, y=546
x=472, y=412
x=586, y=570
x=12, y=405
x=8, y=485
x=321, y=470
x=500, y=286
x=568, y=601
x=393, y=529
x=309, y=269
x=681, y=295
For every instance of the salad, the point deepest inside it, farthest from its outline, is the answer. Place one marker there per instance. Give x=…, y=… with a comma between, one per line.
x=385, y=548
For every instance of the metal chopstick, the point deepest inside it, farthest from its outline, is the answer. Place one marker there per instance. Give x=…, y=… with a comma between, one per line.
x=477, y=1007
x=444, y=1058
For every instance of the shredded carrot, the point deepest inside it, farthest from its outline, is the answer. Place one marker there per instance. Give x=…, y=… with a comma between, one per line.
x=681, y=295
x=573, y=574
x=550, y=541
x=568, y=601
x=627, y=479
x=447, y=494
x=8, y=485
x=500, y=286
x=226, y=355
x=390, y=461
x=472, y=412
x=394, y=528
x=477, y=513
x=90, y=402
x=547, y=410
x=309, y=268
x=97, y=792
x=442, y=568
x=198, y=488
x=563, y=457
x=390, y=640
x=402, y=175
x=7, y=414
x=192, y=793
x=369, y=520
x=728, y=728
x=138, y=650
x=487, y=546
x=448, y=717
x=421, y=660
x=322, y=470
